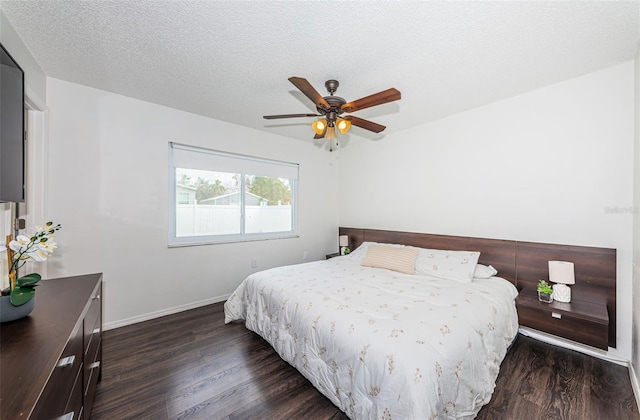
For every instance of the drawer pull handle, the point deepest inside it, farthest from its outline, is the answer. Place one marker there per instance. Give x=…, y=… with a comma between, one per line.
x=66, y=361
x=68, y=416
x=94, y=365
x=97, y=297
x=556, y=315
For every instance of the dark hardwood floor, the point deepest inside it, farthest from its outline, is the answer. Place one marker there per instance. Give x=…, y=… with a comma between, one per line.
x=192, y=365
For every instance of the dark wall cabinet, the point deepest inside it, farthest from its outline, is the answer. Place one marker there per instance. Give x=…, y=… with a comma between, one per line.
x=583, y=322
x=50, y=361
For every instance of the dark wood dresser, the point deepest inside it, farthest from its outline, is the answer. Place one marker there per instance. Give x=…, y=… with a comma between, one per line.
x=50, y=360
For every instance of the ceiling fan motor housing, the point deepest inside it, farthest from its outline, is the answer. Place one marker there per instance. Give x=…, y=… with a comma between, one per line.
x=335, y=103
x=335, y=108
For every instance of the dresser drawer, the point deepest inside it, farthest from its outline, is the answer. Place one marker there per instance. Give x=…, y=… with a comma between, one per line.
x=577, y=329
x=92, y=372
x=91, y=357
x=55, y=395
x=93, y=318
x=73, y=410
x=93, y=351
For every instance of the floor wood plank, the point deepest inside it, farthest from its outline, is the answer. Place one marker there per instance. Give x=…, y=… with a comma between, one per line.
x=192, y=366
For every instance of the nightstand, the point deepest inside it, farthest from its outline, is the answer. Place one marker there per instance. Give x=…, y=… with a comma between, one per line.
x=584, y=322
x=329, y=256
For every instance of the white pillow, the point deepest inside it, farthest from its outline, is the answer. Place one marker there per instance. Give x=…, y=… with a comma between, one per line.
x=400, y=259
x=484, y=272
x=452, y=265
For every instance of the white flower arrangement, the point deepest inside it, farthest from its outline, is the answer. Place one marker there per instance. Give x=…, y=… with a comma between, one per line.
x=38, y=247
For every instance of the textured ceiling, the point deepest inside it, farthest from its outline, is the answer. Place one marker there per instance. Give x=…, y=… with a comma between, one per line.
x=230, y=60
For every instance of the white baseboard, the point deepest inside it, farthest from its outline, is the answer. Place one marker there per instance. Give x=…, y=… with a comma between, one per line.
x=164, y=312
x=571, y=345
x=634, y=384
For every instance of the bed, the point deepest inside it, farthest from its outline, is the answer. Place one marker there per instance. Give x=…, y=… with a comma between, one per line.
x=383, y=343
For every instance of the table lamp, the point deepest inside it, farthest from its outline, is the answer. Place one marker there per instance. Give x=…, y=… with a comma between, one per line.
x=561, y=273
x=344, y=243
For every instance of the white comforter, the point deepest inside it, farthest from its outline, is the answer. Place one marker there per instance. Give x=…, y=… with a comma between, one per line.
x=380, y=344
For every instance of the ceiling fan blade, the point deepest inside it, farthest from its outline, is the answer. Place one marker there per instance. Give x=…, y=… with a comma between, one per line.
x=366, y=124
x=379, y=98
x=273, y=117
x=305, y=87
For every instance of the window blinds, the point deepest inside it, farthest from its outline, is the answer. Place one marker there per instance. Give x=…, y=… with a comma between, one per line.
x=192, y=157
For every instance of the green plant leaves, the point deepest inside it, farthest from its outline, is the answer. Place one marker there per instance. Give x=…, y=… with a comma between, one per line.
x=24, y=290
x=544, y=287
x=22, y=295
x=29, y=280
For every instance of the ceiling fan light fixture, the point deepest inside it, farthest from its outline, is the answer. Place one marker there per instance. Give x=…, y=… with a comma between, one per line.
x=319, y=126
x=343, y=125
x=331, y=133
x=330, y=107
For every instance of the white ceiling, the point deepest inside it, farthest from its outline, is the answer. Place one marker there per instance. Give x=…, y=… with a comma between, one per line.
x=230, y=60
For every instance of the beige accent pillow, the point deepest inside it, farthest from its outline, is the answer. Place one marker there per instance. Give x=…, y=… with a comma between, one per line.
x=402, y=260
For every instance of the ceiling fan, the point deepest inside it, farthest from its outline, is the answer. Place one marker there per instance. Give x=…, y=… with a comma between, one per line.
x=332, y=107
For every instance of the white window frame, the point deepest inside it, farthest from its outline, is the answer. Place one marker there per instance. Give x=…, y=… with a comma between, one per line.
x=207, y=159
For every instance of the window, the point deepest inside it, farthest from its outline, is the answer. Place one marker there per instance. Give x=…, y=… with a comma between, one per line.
x=222, y=197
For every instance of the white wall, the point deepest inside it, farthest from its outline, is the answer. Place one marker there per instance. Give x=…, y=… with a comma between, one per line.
x=108, y=187
x=635, y=359
x=543, y=166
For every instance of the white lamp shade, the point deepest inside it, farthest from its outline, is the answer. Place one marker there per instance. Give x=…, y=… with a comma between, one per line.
x=344, y=240
x=561, y=272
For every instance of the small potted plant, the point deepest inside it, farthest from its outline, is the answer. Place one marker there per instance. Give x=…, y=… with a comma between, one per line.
x=17, y=299
x=545, y=292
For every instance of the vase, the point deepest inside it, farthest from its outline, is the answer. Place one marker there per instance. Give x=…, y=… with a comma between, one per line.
x=545, y=297
x=8, y=312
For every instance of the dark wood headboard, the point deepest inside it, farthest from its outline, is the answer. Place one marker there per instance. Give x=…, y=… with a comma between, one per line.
x=521, y=263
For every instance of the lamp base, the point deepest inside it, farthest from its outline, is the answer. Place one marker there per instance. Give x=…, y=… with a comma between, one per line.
x=561, y=293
